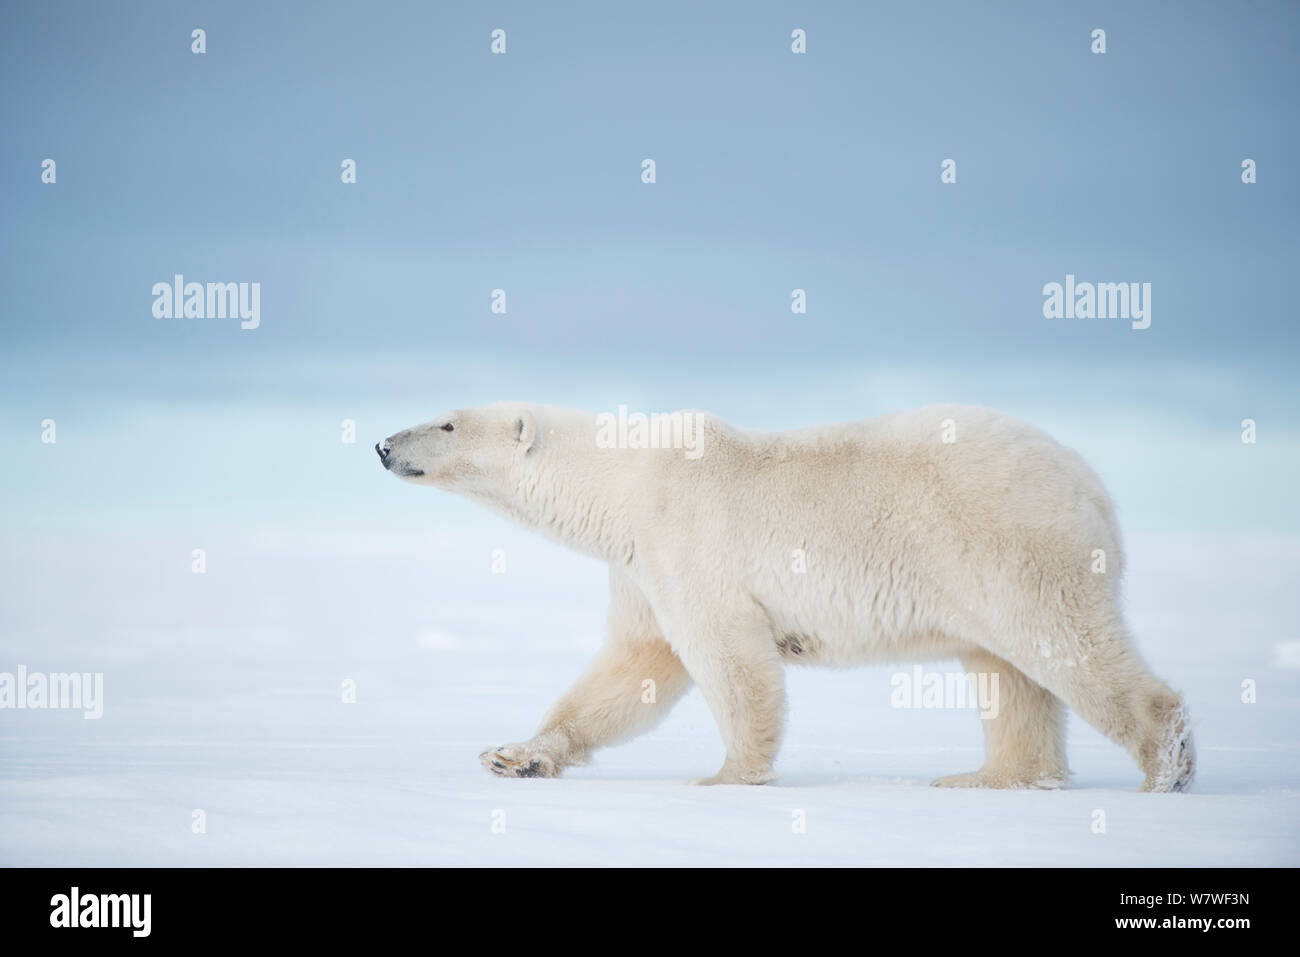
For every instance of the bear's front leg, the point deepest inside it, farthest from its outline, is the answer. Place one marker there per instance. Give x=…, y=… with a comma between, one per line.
x=627, y=690
x=542, y=756
x=734, y=661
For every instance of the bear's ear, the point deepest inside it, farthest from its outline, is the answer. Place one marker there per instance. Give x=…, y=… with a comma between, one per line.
x=527, y=426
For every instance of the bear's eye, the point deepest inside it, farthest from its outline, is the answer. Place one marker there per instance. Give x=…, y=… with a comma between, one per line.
x=448, y=427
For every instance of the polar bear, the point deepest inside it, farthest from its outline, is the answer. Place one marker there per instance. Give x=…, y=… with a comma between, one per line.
x=945, y=532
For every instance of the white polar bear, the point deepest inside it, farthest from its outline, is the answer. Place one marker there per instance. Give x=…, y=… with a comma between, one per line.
x=947, y=532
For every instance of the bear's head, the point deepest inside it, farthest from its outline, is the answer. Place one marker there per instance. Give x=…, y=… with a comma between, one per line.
x=466, y=451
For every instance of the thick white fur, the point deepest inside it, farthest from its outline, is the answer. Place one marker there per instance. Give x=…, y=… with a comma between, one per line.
x=980, y=548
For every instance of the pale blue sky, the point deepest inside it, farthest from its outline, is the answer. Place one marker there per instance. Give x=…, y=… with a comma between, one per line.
x=521, y=172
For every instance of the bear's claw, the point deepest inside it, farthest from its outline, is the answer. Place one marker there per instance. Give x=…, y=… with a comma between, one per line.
x=512, y=761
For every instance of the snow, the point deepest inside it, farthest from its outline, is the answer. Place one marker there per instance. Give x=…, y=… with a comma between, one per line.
x=243, y=719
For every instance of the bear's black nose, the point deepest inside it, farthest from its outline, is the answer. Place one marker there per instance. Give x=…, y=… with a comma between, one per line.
x=382, y=449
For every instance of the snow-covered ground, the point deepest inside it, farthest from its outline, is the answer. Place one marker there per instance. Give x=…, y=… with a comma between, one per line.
x=223, y=691
x=242, y=718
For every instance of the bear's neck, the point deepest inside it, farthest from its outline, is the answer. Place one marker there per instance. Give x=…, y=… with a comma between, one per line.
x=570, y=496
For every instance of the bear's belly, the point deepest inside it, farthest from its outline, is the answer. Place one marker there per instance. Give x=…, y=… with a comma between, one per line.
x=863, y=648
x=839, y=631
x=835, y=645
x=794, y=646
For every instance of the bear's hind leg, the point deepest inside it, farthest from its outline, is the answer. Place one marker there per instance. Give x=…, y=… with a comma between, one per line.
x=1024, y=740
x=1099, y=675
x=1113, y=690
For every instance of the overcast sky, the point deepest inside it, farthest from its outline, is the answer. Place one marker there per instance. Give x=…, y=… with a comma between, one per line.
x=775, y=172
